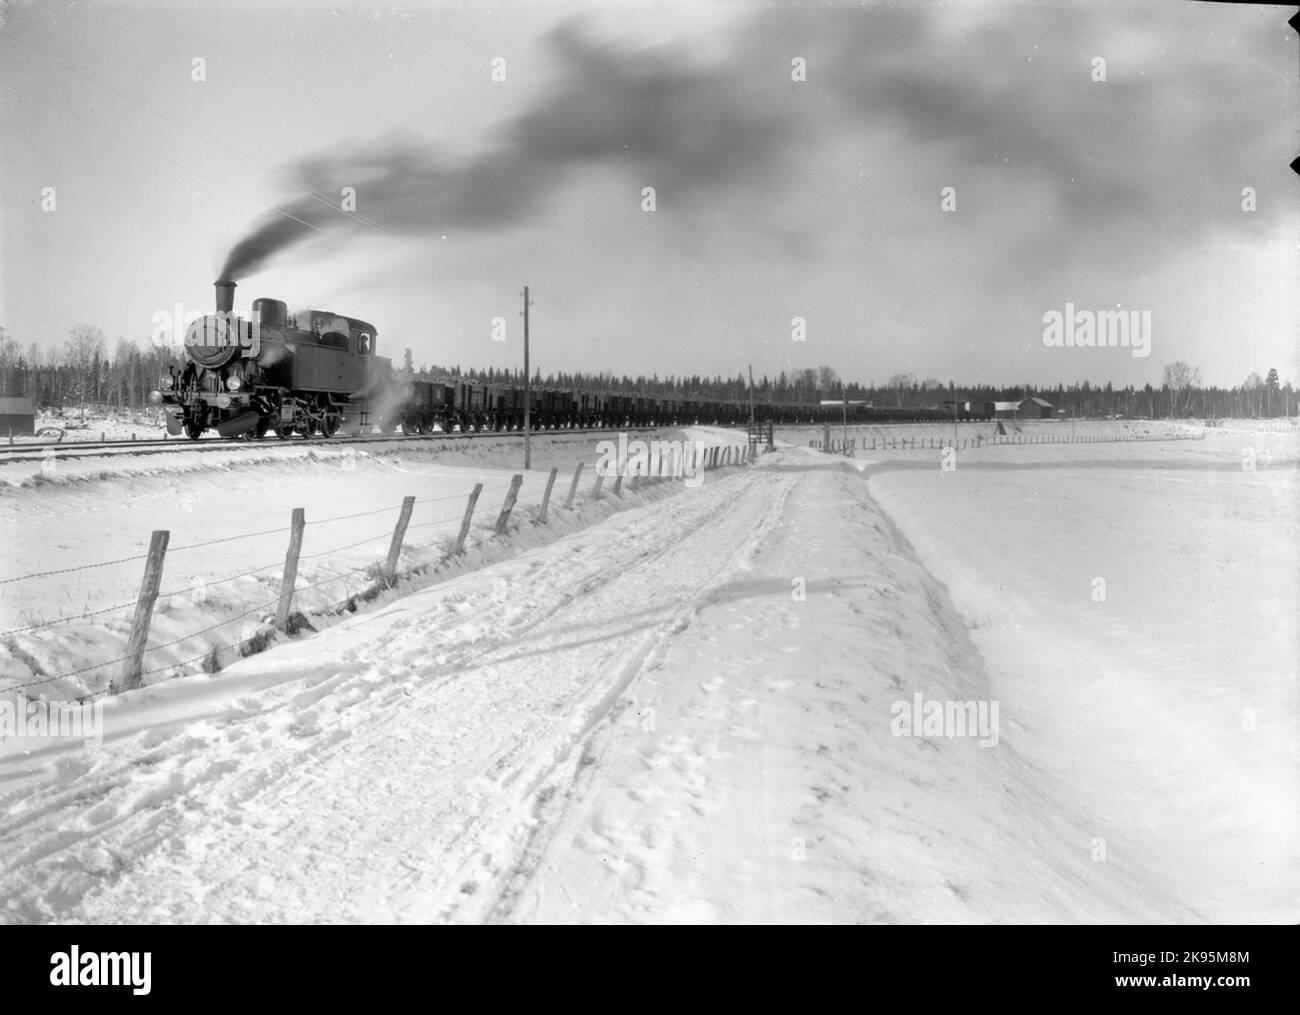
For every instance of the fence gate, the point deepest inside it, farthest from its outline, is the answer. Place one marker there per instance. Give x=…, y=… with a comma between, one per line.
x=760, y=433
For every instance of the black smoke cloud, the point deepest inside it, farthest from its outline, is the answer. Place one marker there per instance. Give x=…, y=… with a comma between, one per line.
x=681, y=125
x=1008, y=99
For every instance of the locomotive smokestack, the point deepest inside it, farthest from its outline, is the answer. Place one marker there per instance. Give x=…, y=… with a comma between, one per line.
x=225, y=296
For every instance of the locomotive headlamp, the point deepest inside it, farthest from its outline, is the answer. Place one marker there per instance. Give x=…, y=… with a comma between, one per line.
x=155, y=397
x=168, y=381
x=233, y=383
x=223, y=401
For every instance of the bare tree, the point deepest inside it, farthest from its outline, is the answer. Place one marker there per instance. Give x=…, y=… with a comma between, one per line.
x=85, y=345
x=1181, y=379
x=9, y=356
x=901, y=383
x=1250, y=388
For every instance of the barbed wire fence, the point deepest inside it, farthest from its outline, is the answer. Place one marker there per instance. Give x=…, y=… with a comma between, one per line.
x=940, y=443
x=276, y=614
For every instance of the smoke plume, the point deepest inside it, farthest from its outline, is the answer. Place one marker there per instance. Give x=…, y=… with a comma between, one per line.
x=684, y=126
x=1005, y=101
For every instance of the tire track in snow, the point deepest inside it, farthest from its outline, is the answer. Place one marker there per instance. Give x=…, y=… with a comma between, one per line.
x=251, y=811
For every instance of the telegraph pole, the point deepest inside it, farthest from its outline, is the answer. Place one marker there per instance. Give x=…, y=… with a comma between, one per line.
x=528, y=391
x=844, y=404
x=751, y=394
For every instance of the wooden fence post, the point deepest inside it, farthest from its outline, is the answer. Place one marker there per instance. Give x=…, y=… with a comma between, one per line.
x=399, y=533
x=600, y=478
x=546, y=497
x=503, y=518
x=573, y=487
x=618, y=485
x=290, y=578
x=144, y=611
x=464, y=524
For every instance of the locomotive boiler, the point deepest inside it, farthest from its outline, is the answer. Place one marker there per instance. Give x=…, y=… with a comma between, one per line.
x=313, y=373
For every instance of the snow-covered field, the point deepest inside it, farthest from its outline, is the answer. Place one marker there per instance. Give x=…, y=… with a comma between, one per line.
x=74, y=426
x=681, y=706
x=1140, y=624
x=80, y=527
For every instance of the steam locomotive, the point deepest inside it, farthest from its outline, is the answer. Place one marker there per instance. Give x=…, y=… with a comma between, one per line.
x=315, y=373
x=318, y=373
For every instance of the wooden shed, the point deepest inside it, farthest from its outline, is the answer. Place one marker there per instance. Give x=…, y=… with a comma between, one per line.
x=1035, y=408
x=17, y=417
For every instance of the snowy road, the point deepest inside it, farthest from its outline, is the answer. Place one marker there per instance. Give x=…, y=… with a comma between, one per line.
x=682, y=714
x=393, y=763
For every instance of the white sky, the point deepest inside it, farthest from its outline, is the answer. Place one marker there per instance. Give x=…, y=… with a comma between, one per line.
x=776, y=199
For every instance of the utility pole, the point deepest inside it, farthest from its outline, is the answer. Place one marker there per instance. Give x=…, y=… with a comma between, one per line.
x=751, y=394
x=528, y=391
x=844, y=404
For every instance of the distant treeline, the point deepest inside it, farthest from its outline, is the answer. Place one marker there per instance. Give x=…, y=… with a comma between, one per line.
x=83, y=372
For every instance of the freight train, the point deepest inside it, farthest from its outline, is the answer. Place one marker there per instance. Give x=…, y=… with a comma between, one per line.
x=317, y=373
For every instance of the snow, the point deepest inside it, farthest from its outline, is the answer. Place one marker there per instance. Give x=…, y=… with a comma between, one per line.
x=228, y=516
x=676, y=707
x=1169, y=692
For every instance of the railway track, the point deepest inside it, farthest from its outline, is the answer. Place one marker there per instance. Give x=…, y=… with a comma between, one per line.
x=171, y=445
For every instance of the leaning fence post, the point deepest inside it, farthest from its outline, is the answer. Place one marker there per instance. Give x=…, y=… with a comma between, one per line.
x=600, y=478
x=546, y=497
x=469, y=513
x=296, y=526
x=573, y=487
x=504, y=517
x=618, y=485
x=399, y=533
x=144, y=611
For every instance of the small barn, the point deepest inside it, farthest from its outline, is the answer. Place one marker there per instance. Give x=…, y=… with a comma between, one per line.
x=1035, y=408
x=17, y=417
